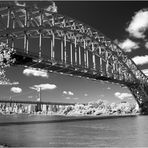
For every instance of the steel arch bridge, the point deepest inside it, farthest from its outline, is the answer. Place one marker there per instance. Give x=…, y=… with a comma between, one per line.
x=48, y=40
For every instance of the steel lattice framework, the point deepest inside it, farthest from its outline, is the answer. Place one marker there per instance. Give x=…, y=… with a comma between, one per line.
x=61, y=44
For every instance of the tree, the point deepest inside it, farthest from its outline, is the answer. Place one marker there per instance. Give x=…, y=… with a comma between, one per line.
x=6, y=59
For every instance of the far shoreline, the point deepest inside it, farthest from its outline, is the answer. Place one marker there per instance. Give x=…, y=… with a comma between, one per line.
x=37, y=119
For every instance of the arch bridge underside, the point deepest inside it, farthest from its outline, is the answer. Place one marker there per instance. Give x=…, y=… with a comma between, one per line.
x=57, y=43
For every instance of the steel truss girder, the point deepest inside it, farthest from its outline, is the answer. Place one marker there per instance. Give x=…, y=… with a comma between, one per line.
x=25, y=22
x=60, y=34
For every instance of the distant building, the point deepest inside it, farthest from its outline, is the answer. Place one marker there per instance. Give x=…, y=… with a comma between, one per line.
x=29, y=109
x=38, y=106
x=44, y=108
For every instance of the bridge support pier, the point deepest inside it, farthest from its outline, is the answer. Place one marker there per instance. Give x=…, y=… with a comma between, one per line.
x=144, y=108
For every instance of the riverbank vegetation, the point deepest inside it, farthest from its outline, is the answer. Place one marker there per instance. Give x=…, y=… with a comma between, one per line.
x=100, y=107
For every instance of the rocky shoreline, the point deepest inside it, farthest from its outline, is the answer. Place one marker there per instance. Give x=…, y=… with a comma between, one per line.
x=36, y=119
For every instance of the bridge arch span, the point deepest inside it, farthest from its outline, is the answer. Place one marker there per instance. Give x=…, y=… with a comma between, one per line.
x=62, y=44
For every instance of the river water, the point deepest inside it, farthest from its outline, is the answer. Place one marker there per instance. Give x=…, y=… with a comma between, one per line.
x=115, y=132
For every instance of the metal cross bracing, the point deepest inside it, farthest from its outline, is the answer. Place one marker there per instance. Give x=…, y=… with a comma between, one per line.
x=64, y=45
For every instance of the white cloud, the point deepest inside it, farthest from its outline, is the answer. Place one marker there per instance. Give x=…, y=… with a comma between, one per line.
x=67, y=98
x=128, y=45
x=68, y=93
x=123, y=95
x=12, y=83
x=65, y=92
x=85, y=95
x=138, y=24
x=30, y=97
x=108, y=88
x=146, y=45
x=43, y=86
x=16, y=89
x=35, y=72
x=140, y=60
x=18, y=3
x=145, y=71
x=52, y=8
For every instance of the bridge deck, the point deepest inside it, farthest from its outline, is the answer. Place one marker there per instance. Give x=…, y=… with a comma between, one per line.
x=62, y=68
x=35, y=102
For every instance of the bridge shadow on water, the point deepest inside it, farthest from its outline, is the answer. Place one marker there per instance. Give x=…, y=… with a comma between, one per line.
x=69, y=119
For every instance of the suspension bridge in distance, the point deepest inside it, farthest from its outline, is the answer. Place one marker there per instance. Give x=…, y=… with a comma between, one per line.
x=35, y=102
x=44, y=39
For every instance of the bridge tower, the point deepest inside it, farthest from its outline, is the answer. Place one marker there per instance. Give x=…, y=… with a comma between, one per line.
x=39, y=106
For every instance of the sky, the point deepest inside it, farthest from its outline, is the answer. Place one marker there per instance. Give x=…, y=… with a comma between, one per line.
x=126, y=23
